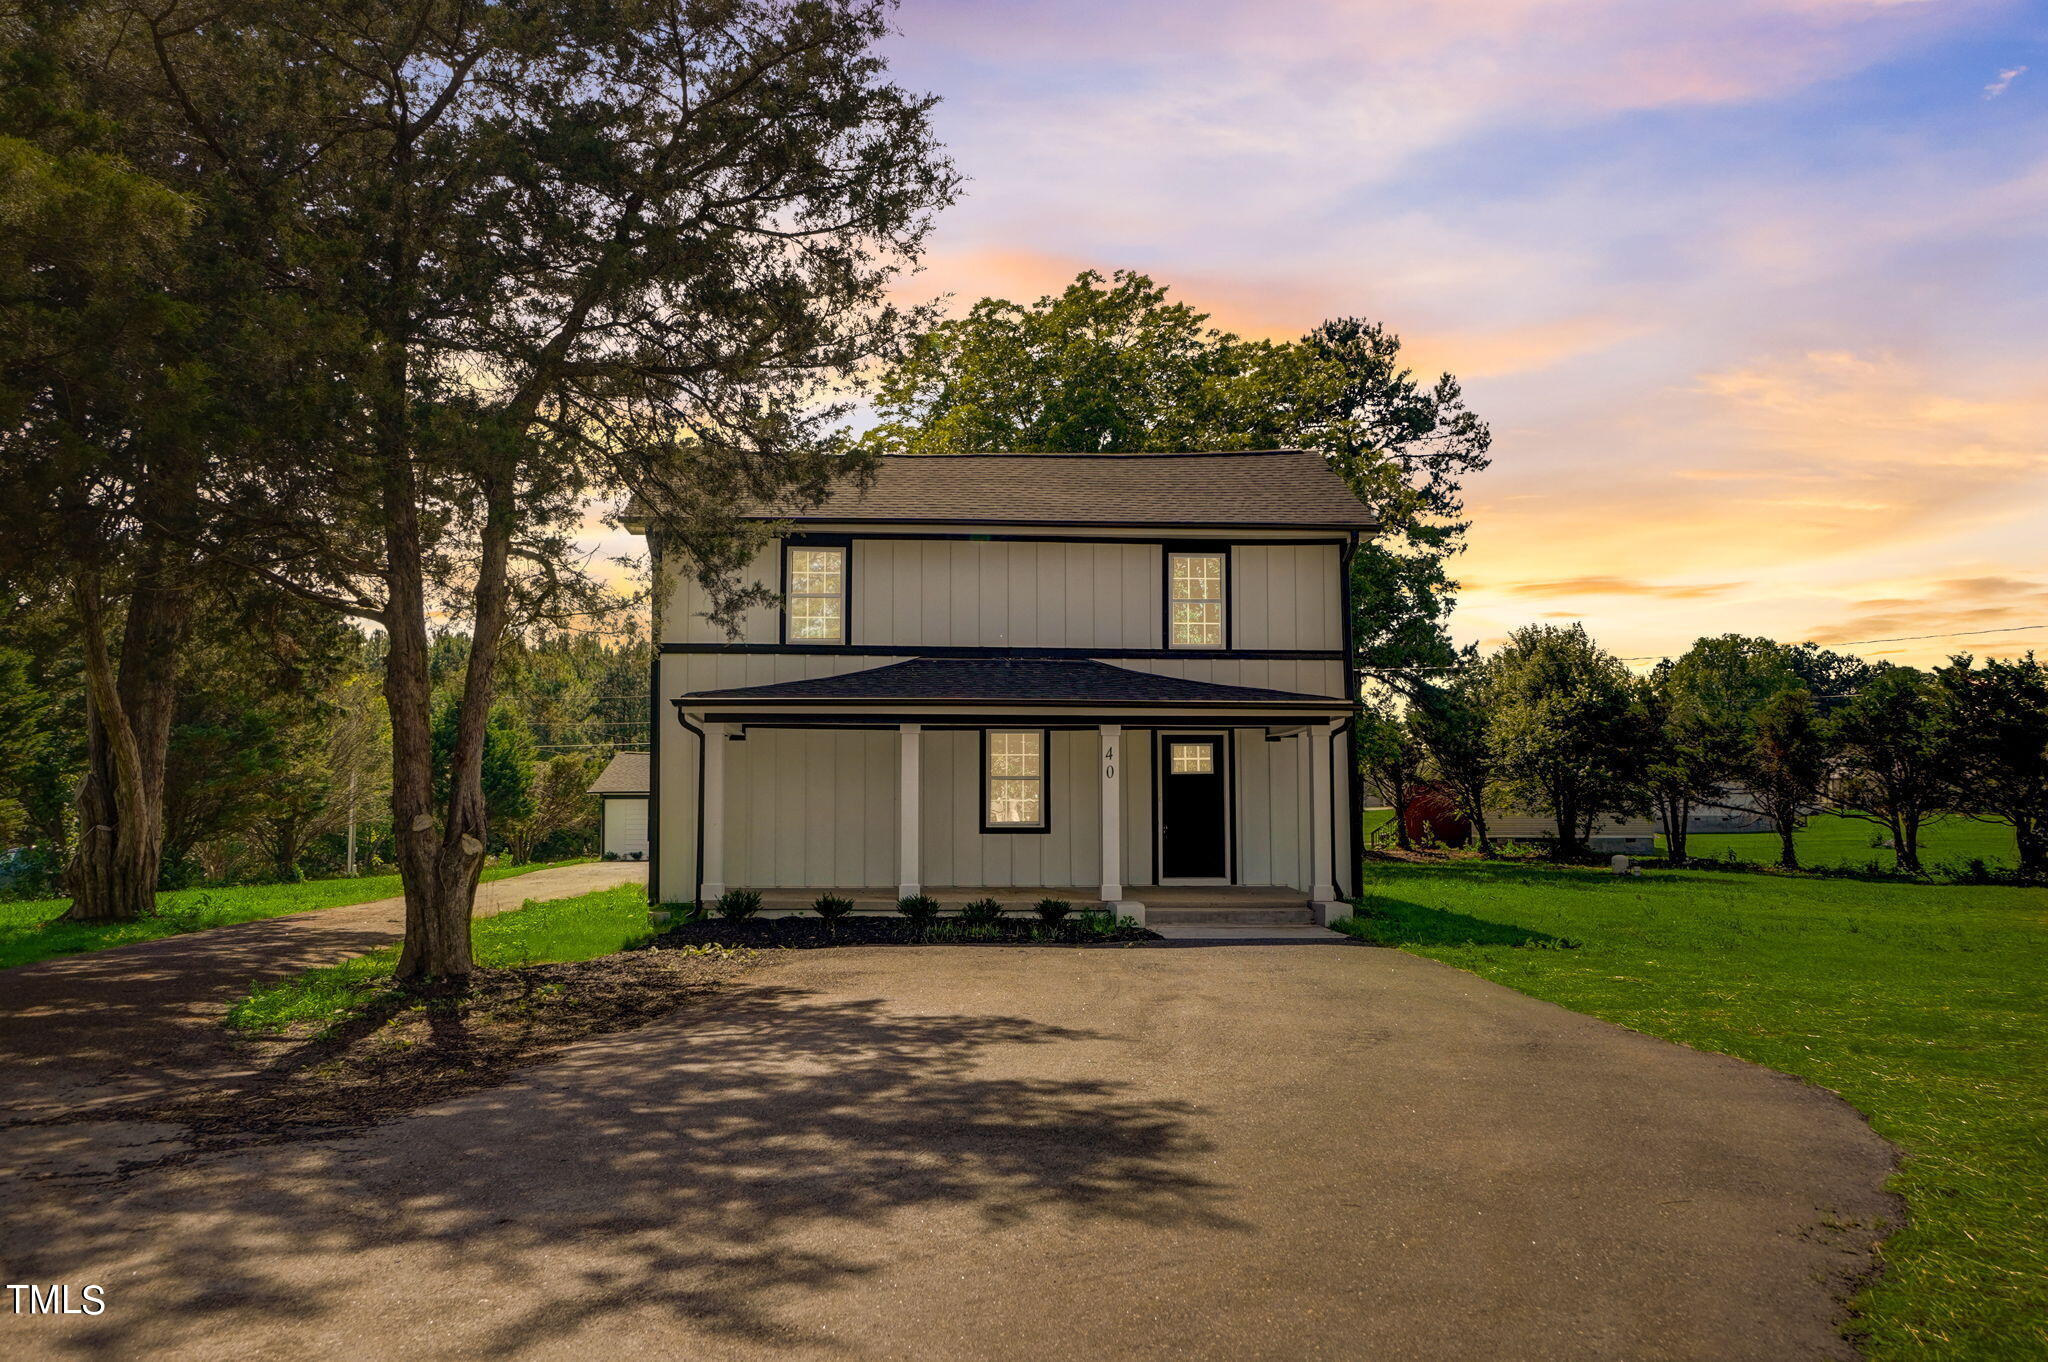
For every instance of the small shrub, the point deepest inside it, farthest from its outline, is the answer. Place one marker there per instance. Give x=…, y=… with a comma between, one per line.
x=920, y=909
x=1099, y=921
x=982, y=913
x=1052, y=912
x=831, y=907
x=737, y=905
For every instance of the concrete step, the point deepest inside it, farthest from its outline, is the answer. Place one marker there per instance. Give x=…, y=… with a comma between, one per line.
x=1262, y=917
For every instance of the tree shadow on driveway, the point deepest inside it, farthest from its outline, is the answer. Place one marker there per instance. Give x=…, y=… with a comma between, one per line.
x=718, y=1167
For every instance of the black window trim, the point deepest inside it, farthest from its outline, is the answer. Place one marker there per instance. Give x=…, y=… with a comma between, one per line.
x=1044, y=823
x=1166, y=552
x=844, y=543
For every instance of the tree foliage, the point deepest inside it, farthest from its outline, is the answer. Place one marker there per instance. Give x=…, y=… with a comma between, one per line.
x=1786, y=764
x=1565, y=731
x=1112, y=365
x=1997, y=727
x=1454, y=728
x=1891, y=739
x=498, y=261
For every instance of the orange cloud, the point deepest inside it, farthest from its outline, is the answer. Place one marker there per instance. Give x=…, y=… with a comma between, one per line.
x=1620, y=586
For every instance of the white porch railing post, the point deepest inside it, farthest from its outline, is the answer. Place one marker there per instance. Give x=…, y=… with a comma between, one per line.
x=1112, y=813
x=1321, y=812
x=713, y=850
x=907, y=856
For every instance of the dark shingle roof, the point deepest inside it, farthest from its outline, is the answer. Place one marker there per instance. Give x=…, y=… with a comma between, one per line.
x=625, y=775
x=1014, y=679
x=1252, y=489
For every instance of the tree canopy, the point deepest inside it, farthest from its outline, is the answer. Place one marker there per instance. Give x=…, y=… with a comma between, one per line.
x=1113, y=365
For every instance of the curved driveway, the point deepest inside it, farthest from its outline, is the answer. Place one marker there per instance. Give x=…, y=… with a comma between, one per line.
x=1231, y=1152
x=116, y=1024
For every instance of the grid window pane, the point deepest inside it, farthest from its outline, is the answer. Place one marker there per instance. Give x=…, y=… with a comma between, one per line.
x=1013, y=802
x=1197, y=576
x=1198, y=624
x=816, y=595
x=815, y=618
x=1195, y=600
x=1016, y=779
x=1192, y=759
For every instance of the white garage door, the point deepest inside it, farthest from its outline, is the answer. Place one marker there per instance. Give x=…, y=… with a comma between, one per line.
x=625, y=827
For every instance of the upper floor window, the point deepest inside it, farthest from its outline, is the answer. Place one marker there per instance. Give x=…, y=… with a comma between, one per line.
x=814, y=592
x=1195, y=599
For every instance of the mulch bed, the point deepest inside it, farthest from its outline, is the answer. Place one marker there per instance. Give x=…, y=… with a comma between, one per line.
x=408, y=1051
x=806, y=933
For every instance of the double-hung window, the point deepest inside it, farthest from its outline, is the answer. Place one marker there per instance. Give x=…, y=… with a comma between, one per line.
x=1195, y=598
x=814, y=591
x=1013, y=780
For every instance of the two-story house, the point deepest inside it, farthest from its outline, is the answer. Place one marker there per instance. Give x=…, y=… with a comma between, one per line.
x=1116, y=677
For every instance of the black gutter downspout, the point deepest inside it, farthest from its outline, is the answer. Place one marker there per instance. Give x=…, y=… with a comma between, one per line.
x=697, y=852
x=1354, y=779
x=653, y=779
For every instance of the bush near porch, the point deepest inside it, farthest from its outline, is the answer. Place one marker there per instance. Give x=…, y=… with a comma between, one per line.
x=1921, y=1004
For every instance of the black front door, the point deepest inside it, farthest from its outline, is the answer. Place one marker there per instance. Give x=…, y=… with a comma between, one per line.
x=1194, y=811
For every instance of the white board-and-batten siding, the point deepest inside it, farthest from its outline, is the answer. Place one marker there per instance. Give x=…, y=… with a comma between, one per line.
x=819, y=808
x=995, y=594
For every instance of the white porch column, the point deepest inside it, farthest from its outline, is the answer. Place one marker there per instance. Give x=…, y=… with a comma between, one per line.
x=1321, y=812
x=907, y=856
x=713, y=850
x=1112, y=813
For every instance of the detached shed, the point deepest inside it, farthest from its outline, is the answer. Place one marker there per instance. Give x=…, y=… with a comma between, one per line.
x=622, y=791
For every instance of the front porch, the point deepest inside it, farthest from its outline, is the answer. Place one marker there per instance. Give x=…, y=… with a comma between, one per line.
x=1017, y=778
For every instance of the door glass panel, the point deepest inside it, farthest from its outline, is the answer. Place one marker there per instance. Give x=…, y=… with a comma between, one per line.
x=1192, y=759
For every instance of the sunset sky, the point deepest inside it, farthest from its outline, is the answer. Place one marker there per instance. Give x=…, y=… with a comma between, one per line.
x=1753, y=292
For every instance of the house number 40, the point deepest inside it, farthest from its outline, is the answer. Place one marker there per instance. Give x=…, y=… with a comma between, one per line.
x=1109, y=762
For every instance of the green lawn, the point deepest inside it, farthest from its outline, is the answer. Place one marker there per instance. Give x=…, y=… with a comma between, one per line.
x=1832, y=840
x=27, y=933
x=1924, y=1005
x=580, y=928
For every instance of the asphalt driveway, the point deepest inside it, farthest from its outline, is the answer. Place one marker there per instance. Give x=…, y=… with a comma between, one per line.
x=113, y=1025
x=1239, y=1152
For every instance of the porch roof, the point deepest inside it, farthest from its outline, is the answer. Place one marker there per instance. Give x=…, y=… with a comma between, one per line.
x=1017, y=681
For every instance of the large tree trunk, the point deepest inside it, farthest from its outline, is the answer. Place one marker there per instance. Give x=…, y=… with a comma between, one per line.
x=1674, y=811
x=130, y=704
x=1906, y=842
x=441, y=866
x=1568, y=844
x=1788, y=852
x=2033, y=846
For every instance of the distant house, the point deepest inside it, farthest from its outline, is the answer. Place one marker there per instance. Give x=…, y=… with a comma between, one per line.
x=1732, y=811
x=622, y=791
x=1611, y=833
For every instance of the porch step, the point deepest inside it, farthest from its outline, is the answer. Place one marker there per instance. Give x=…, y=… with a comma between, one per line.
x=1259, y=917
